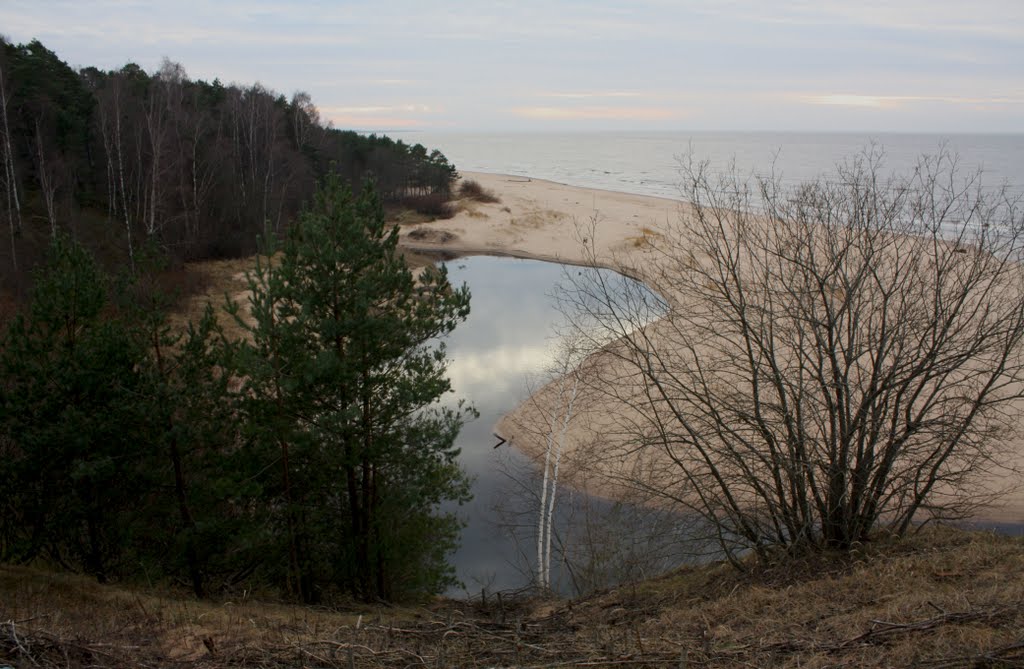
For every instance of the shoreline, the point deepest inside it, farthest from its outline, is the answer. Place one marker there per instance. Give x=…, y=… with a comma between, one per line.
x=544, y=220
x=538, y=219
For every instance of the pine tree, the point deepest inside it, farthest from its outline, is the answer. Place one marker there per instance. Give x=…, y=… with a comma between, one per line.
x=73, y=467
x=197, y=525
x=342, y=381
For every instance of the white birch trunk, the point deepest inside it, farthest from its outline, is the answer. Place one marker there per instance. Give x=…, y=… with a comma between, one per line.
x=120, y=173
x=541, y=516
x=46, y=183
x=108, y=151
x=13, y=204
x=155, y=122
x=554, y=482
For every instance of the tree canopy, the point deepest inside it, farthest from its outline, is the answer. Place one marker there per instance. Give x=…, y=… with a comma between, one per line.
x=123, y=159
x=341, y=378
x=310, y=459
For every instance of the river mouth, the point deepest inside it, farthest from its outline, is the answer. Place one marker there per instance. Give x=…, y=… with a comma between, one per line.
x=496, y=356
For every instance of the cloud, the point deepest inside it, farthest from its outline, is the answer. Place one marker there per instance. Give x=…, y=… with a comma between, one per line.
x=590, y=95
x=382, y=109
x=846, y=100
x=713, y=63
x=474, y=369
x=892, y=101
x=381, y=117
x=374, y=122
x=170, y=31
x=997, y=18
x=598, y=113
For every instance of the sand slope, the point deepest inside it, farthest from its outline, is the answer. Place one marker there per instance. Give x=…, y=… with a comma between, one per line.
x=550, y=221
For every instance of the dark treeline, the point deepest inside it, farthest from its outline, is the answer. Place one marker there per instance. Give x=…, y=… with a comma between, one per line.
x=122, y=160
x=308, y=459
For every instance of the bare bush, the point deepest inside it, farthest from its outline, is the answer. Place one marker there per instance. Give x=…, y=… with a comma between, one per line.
x=435, y=205
x=829, y=360
x=472, y=190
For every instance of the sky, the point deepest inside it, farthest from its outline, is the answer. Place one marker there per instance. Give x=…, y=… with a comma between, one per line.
x=554, y=65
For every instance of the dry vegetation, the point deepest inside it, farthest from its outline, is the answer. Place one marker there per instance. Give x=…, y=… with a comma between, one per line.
x=221, y=279
x=433, y=206
x=472, y=190
x=533, y=219
x=647, y=238
x=945, y=598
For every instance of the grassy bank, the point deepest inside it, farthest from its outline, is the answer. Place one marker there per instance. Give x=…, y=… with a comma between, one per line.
x=944, y=598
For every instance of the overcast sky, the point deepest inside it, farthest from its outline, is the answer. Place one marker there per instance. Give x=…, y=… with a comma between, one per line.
x=831, y=65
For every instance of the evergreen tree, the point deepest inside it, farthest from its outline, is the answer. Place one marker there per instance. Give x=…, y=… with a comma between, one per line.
x=195, y=523
x=342, y=381
x=72, y=467
x=118, y=452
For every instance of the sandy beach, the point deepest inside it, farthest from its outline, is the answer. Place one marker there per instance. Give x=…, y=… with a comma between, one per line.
x=550, y=221
x=543, y=220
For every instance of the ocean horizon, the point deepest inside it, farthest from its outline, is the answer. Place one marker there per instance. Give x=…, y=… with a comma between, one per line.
x=648, y=163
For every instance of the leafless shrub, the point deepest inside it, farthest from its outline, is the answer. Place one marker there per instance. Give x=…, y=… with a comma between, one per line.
x=472, y=190
x=435, y=205
x=832, y=360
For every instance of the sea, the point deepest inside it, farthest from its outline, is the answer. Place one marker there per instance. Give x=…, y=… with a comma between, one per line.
x=648, y=163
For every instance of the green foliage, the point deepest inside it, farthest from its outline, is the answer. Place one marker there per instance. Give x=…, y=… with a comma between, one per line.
x=44, y=87
x=71, y=471
x=124, y=453
x=342, y=387
x=197, y=525
x=118, y=443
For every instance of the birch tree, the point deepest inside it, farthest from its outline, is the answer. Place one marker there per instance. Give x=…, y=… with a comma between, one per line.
x=48, y=176
x=112, y=115
x=9, y=173
x=565, y=373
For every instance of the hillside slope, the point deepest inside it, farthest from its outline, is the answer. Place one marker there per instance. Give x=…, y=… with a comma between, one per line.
x=945, y=598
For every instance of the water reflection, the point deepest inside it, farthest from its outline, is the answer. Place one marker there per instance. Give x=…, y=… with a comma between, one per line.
x=507, y=339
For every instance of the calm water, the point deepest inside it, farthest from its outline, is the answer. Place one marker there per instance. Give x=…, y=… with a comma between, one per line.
x=647, y=163
x=507, y=339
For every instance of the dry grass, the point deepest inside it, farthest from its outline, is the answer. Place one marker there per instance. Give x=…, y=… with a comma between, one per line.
x=536, y=218
x=431, y=235
x=403, y=216
x=221, y=279
x=945, y=598
x=226, y=278
x=646, y=239
x=436, y=206
x=472, y=190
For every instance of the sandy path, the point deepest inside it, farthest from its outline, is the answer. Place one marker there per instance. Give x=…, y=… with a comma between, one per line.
x=549, y=221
